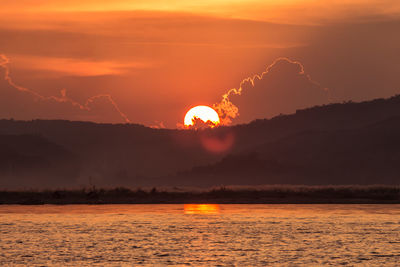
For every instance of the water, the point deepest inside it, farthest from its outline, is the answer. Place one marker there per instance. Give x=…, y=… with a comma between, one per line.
x=245, y=235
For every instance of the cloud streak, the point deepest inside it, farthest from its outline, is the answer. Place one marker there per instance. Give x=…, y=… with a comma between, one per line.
x=77, y=67
x=63, y=98
x=227, y=109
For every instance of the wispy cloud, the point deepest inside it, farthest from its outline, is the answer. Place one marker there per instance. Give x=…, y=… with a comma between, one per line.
x=77, y=67
x=259, y=85
x=290, y=11
x=63, y=98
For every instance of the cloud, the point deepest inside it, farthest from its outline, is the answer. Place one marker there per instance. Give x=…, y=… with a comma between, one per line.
x=158, y=125
x=22, y=103
x=287, y=11
x=76, y=67
x=283, y=87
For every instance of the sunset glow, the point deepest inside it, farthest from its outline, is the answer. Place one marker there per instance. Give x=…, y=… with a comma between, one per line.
x=246, y=59
x=116, y=115
x=204, y=113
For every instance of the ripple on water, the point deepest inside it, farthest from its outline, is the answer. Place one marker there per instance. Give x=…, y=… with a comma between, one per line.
x=255, y=235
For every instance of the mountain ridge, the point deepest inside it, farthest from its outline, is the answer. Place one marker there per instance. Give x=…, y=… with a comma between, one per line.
x=135, y=155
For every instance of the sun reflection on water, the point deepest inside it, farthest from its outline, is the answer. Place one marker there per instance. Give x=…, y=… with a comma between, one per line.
x=201, y=208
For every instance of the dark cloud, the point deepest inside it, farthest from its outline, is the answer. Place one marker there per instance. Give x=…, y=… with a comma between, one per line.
x=22, y=103
x=194, y=59
x=360, y=61
x=283, y=87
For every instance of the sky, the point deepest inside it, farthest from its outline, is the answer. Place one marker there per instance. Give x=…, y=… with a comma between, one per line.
x=148, y=62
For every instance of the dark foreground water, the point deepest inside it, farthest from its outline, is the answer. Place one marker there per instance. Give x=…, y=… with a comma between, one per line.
x=208, y=235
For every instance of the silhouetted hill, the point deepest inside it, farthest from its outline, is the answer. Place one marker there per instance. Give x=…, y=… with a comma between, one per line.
x=333, y=144
x=30, y=160
x=367, y=155
x=118, y=154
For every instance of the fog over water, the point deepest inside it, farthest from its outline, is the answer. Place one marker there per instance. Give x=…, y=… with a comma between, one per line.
x=251, y=235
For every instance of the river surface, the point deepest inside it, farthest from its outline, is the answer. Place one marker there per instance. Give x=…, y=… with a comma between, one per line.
x=200, y=235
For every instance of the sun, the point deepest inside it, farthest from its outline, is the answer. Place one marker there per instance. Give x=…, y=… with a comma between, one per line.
x=201, y=115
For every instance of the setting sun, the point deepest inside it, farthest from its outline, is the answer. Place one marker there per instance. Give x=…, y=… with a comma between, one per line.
x=203, y=114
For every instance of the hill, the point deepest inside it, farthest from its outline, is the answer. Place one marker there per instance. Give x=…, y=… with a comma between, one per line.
x=347, y=143
x=32, y=161
x=368, y=155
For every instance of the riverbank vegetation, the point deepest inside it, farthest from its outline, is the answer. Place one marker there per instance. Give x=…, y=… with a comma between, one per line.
x=220, y=195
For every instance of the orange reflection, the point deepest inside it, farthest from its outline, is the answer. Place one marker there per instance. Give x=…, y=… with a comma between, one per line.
x=201, y=208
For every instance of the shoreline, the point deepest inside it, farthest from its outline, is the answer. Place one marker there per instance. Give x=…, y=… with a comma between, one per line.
x=273, y=195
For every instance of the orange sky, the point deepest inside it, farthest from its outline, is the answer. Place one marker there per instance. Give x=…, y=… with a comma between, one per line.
x=267, y=10
x=159, y=58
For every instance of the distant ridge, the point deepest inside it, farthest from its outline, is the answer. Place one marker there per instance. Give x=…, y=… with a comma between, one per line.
x=344, y=143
